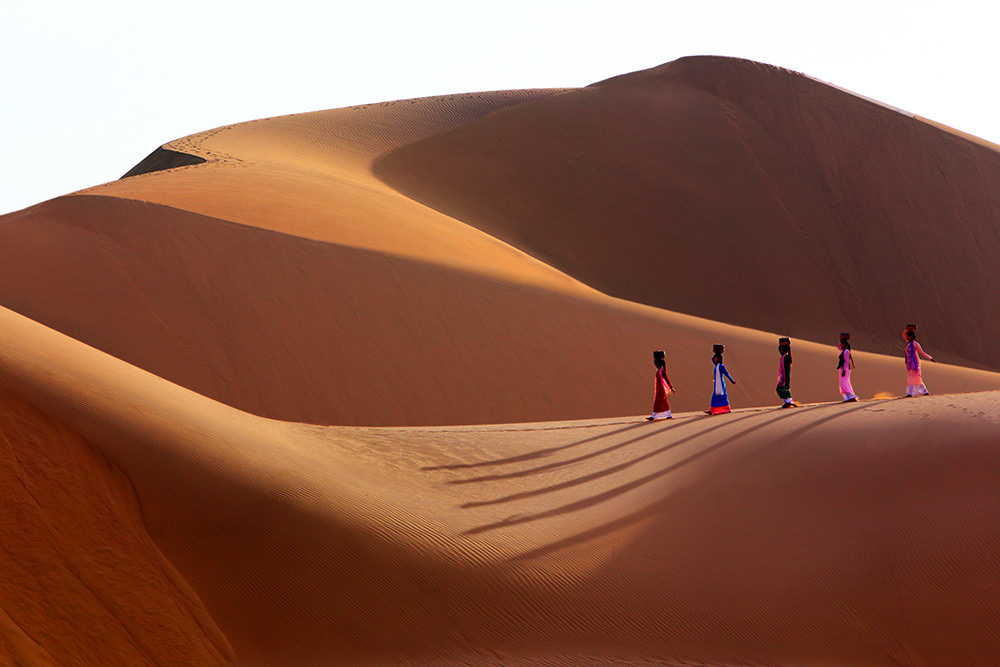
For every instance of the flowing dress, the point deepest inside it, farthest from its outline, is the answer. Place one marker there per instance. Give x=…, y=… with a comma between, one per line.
x=914, y=381
x=846, y=390
x=720, y=400
x=661, y=407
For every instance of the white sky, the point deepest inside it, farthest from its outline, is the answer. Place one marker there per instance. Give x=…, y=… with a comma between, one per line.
x=89, y=88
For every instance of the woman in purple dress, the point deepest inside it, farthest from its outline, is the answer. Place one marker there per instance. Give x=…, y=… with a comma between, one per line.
x=914, y=380
x=845, y=363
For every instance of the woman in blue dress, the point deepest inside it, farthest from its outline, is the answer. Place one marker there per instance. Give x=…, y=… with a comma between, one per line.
x=720, y=400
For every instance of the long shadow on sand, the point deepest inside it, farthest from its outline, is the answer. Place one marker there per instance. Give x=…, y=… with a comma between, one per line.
x=559, y=464
x=602, y=473
x=656, y=507
x=533, y=455
x=634, y=484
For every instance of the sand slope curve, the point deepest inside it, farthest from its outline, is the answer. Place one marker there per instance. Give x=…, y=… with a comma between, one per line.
x=833, y=534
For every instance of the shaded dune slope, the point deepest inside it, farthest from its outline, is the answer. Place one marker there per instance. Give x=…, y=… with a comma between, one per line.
x=741, y=193
x=832, y=535
x=82, y=582
x=162, y=159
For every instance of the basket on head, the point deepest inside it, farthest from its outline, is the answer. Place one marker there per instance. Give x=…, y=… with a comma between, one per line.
x=718, y=349
x=659, y=354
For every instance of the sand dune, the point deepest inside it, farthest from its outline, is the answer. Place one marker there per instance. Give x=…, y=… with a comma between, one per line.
x=830, y=535
x=281, y=277
x=741, y=193
x=295, y=329
x=366, y=386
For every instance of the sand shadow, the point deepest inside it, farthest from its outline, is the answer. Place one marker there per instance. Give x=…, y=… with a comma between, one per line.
x=656, y=507
x=672, y=426
x=532, y=455
x=613, y=469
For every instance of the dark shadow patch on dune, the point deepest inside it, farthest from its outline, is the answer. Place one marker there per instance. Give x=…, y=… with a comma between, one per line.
x=656, y=507
x=162, y=159
x=525, y=457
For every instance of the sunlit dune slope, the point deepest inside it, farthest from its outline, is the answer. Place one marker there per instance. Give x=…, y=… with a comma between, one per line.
x=834, y=534
x=309, y=175
x=741, y=193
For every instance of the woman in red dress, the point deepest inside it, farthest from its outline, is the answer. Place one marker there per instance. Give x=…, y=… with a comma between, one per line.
x=661, y=408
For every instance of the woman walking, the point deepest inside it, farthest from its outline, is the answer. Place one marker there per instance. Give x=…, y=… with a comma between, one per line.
x=845, y=363
x=720, y=400
x=662, y=387
x=784, y=388
x=914, y=381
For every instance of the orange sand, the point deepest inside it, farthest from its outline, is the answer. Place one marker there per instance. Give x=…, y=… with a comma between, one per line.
x=155, y=330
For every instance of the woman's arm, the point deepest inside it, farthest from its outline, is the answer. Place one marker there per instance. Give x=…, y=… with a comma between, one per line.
x=920, y=351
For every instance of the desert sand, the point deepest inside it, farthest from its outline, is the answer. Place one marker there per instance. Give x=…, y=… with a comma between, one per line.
x=366, y=386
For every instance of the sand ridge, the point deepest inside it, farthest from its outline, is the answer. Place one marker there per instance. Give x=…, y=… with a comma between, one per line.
x=309, y=175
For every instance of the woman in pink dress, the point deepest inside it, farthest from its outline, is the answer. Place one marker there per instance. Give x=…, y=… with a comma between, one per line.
x=914, y=381
x=661, y=407
x=845, y=364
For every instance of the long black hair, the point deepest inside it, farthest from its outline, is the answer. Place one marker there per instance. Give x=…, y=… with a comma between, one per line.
x=785, y=347
x=659, y=358
x=717, y=351
x=845, y=344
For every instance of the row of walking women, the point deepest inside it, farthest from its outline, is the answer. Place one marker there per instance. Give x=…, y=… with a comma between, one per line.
x=719, y=403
